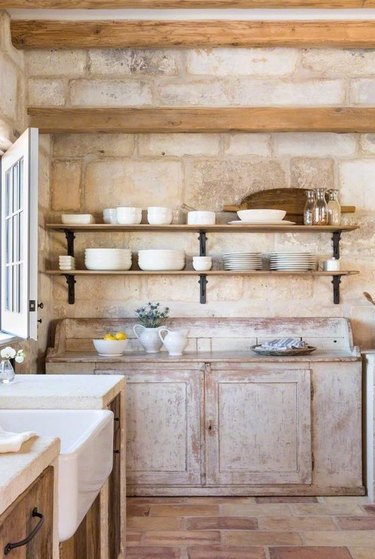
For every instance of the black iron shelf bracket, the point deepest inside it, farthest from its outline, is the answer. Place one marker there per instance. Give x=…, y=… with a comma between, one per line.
x=202, y=243
x=336, y=237
x=336, y=280
x=71, y=281
x=203, y=288
x=70, y=236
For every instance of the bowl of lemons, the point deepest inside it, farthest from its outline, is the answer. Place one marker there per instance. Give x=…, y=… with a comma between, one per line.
x=112, y=344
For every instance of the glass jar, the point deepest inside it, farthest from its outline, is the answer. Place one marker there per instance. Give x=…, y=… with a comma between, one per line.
x=6, y=372
x=309, y=207
x=320, y=211
x=334, y=208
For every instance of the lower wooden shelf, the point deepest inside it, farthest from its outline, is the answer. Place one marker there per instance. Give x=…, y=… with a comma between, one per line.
x=70, y=277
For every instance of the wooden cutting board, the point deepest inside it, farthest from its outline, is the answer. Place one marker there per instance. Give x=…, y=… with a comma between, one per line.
x=292, y=200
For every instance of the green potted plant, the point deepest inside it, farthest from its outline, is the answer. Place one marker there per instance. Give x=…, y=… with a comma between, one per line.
x=151, y=317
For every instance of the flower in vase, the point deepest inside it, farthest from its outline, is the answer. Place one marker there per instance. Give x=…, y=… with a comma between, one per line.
x=8, y=353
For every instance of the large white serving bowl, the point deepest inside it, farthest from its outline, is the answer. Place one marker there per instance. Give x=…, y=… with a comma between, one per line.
x=85, y=460
x=167, y=260
x=108, y=252
x=107, y=266
x=253, y=216
x=110, y=347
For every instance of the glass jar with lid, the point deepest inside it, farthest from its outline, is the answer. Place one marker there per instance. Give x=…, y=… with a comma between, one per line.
x=320, y=211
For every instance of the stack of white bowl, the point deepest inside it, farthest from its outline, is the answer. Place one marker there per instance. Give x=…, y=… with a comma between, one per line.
x=241, y=261
x=165, y=260
x=108, y=258
x=292, y=261
x=67, y=263
x=77, y=219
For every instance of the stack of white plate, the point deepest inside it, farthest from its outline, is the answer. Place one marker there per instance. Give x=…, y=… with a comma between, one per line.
x=108, y=258
x=292, y=261
x=240, y=261
x=67, y=263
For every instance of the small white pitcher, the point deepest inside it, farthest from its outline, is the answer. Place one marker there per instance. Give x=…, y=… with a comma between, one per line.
x=149, y=338
x=175, y=341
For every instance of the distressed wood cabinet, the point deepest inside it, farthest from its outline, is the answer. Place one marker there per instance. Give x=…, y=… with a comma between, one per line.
x=20, y=520
x=258, y=424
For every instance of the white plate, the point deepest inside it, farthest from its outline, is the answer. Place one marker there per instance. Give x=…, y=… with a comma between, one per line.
x=268, y=222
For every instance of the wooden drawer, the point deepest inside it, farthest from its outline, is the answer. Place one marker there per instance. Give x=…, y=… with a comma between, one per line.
x=17, y=522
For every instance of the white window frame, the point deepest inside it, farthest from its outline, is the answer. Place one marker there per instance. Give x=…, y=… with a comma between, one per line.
x=22, y=322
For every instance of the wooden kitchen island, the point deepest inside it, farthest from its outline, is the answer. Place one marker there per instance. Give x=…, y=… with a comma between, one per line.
x=222, y=420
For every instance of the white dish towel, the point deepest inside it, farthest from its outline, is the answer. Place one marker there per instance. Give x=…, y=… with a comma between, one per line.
x=12, y=442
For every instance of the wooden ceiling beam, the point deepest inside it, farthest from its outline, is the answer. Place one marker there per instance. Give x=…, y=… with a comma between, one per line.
x=190, y=34
x=192, y=119
x=189, y=4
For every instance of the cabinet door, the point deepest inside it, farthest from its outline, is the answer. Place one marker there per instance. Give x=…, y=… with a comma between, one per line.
x=258, y=427
x=17, y=522
x=163, y=419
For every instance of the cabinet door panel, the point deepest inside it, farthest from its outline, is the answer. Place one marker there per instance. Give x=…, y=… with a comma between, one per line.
x=163, y=427
x=258, y=427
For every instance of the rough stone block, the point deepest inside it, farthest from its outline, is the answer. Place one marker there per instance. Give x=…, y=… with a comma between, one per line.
x=314, y=144
x=367, y=143
x=312, y=173
x=8, y=87
x=141, y=183
x=122, y=62
x=46, y=92
x=65, y=182
x=242, y=61
x=106, y=93
x=81, y=145
x=178, y=144
x=252, y=92
x=246, y=144
x=339, y=62
x=362, y=92
x=357, y=183
x=56, y=62
x=197, y=92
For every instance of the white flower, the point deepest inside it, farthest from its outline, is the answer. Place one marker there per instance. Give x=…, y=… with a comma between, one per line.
x=20, y=356
x=8, y=353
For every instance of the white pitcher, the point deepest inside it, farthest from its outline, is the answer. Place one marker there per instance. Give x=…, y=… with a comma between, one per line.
x=149, y=338
x=175, y=341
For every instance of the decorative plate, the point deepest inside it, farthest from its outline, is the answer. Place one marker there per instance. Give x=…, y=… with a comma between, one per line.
x=281, y=353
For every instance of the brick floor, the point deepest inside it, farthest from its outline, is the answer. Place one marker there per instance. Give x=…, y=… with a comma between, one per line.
x=250, y=528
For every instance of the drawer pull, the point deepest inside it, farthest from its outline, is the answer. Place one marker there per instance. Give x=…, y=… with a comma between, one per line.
x=35, y=514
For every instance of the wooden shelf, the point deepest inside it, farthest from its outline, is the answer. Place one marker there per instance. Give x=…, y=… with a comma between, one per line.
x=219, y=228
x=78, y=34
x=138, y=120
x=195, y=273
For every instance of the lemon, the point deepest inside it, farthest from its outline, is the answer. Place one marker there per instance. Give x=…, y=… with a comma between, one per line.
x=121, y=336
x=109, y=337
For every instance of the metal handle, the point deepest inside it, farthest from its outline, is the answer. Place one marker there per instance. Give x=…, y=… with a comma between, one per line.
x=35, y=514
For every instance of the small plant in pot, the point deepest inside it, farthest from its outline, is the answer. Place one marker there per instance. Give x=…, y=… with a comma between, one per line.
x=151, y=317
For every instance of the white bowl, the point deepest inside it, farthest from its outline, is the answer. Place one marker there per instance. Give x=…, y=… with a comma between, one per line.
x=110, y=347
x=261, y=215
x=159, y=215
x=99, y=252
x=110, y=216
x=102, y=267
x=129, y=216
x=201, y=218
x=155, y=260
x=77, y=219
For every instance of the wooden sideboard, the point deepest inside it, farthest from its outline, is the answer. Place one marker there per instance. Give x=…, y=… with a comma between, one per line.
x=231, y=422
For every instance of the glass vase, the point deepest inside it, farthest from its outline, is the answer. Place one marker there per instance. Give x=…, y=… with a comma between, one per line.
x=7, y=373
x=334, y=208
x=320, y=212
x=309, y=208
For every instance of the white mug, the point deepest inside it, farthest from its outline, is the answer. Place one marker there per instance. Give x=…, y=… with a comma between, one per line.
x=201, y=218
x=159, y=215
x=129, y=215
x=202, y=263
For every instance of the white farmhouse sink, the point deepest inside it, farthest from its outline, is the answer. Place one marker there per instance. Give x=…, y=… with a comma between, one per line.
x=85, y=460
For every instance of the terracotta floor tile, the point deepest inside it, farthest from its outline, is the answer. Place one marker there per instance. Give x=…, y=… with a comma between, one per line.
x=133, y=538
x=152, y=553
x=362, y=538
x=362, y=552
x=370, y=509
x=286, y=499
x=137, y=510
x=296, y=523
x=186, y=537
x=146, y=523
x=240, y=509
x=221, y=523
x=326, y=509
x=257, y=537
x=309, y=553
x=225, y=552
x=185, y=510
x=356, y=523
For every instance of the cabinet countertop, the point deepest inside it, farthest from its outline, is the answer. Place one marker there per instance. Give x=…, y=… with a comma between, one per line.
x=18, y=470
x=60, y=391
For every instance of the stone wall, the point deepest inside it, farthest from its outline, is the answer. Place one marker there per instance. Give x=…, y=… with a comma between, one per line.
x=90, y=173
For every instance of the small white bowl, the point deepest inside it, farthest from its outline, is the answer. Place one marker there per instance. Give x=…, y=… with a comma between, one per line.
x=129, y=215
x=77, y=219
x=202, y=263
x=201, y=218
x=110, y=216
x=159, y=215
x=110, y=348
